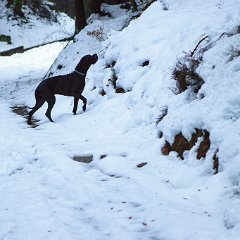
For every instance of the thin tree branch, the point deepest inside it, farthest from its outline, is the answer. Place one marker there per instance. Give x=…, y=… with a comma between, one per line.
x=194, y=50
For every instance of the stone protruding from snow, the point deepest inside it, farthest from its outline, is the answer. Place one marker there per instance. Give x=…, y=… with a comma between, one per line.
x=83, y=158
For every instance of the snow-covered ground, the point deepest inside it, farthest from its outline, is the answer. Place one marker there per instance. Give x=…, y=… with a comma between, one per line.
x=32, y=30
x=44, y=194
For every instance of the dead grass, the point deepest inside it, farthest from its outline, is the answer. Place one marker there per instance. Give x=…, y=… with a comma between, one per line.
x=98, y=34
x=186, y=76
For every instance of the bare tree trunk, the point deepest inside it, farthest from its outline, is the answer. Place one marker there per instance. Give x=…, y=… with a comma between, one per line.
x=80, y=21
x=36, y=3
x=91, y=6
x=84, y=8
x=18, y=5
x=134, y=5
x=10, y=2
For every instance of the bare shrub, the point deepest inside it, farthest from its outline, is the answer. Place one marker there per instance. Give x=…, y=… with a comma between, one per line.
x=184, y=71
x=98, y=34
x=186, y=76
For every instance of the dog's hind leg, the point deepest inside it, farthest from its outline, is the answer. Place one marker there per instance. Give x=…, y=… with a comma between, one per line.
x=51, y=101
x=84, y=102
x=39, y=103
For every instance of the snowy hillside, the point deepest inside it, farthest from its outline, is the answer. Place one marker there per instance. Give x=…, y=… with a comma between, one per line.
x=161, y=128
x=28, y=31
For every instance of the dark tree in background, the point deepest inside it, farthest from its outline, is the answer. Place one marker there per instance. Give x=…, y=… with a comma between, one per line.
x=80, y=9
x=84, y=8
x=135, y=8
x=66, y=6
x=38, y=7
x=91, y=6
x=80, y=21
x=17, y=6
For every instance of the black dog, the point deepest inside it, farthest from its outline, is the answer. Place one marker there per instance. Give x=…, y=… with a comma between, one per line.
x=71, y=84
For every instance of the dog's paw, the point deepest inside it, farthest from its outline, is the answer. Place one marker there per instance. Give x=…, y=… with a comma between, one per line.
x=84, y=108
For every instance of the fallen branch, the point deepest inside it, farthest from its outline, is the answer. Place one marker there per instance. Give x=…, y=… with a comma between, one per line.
x=12, y=51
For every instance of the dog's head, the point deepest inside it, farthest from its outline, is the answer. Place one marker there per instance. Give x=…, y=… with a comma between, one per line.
x=94, y=58
x=86, y=62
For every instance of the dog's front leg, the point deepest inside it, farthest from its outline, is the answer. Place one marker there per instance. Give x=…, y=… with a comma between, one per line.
x=75, y=105
x=84, y=102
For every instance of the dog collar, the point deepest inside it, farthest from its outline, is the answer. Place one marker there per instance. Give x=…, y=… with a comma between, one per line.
x=80, y=73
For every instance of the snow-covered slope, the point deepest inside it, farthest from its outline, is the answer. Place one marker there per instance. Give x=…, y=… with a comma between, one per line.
x=46, y=195
x=32, y=30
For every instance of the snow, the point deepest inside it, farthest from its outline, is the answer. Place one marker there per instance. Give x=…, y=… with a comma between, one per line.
x=44, y=194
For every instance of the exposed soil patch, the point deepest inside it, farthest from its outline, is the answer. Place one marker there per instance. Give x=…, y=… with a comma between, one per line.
x=23, y=111
x=166, y=149
x=102, y=92
x=120, y=90
x=204, y=145
x=181, y=144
